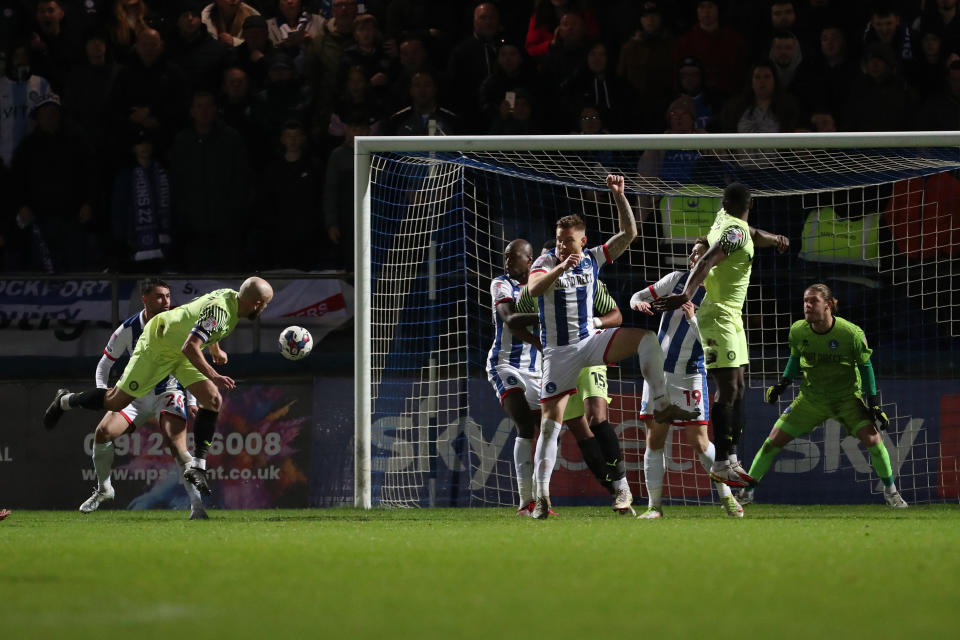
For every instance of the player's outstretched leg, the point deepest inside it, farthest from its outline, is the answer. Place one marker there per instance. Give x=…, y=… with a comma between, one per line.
x=623, y=345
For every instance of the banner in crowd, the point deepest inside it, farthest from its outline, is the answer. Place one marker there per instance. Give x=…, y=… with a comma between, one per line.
x=260, y=457
x=72, y=318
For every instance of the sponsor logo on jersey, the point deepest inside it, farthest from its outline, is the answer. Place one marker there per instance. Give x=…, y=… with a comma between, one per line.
x=209, y=323
x=551, y=387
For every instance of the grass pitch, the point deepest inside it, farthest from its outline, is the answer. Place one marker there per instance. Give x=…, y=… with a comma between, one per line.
x=782, y=572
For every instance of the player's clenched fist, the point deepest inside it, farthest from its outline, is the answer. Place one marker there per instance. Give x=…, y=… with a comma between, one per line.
x=615, y=183
x=571, y=261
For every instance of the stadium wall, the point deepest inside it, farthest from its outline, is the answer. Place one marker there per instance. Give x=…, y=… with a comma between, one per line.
x=289, y=443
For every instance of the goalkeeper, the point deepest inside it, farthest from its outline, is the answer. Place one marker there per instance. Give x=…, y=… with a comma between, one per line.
x=834, y=359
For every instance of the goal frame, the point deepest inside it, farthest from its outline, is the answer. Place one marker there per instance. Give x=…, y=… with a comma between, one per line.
x=366, y=146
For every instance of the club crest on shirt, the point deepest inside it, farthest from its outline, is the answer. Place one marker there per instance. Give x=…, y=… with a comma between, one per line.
x=209, y=323
x=834, y=344
x=511, y=380
x=551, y=387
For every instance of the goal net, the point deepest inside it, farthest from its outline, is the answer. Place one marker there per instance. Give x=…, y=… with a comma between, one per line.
x=875, y=217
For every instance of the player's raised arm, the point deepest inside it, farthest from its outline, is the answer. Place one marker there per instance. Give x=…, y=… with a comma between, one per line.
x=763, y=238
x=620, y=242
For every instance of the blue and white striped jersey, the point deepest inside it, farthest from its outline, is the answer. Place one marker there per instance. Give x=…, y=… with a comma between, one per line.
x=679, y=339
x=506, y=348
x=566, y=307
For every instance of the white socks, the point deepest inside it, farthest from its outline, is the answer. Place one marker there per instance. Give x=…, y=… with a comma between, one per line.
x=706, y=461
x=103, y=463
x=653, y=469
x=651, y=367
x=192, y=493
x=546, y=455
x=523, y=464
x=65, y=401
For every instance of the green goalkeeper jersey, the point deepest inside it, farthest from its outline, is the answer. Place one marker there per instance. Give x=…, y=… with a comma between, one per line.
x=830, y=361
x=603, y=302
x=210, y=317
x=727, y=282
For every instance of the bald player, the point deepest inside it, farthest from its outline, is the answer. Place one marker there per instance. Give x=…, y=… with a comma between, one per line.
x=172, y=343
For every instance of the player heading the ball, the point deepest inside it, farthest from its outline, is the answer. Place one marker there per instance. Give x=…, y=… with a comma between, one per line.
x=172, y=343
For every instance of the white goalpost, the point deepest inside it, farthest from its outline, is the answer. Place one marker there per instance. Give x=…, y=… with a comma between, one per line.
x=876, y=216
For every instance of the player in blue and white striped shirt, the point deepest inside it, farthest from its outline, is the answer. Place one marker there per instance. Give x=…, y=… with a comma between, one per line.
x=513, y=362
x=564, y=281
x=686, y=376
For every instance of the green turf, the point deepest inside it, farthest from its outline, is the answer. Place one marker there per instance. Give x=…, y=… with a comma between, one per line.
x=803, y=572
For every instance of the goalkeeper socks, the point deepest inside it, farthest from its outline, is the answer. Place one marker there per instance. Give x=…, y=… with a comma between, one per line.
x=204, y=427
x=610, y=445
x=763, y=459
x=651, y=367
x=593, y=456
x=545, y=457
x=92, y=399
x=880, y=460
x=653, y=470
x=523, y=463
x=103, y=462
x=722, y=419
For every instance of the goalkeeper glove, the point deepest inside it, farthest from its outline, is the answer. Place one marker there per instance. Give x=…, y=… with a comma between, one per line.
x=772, y=393
x=878, y=415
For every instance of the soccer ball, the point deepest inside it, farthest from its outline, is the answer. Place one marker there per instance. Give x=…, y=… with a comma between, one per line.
x=295, y=343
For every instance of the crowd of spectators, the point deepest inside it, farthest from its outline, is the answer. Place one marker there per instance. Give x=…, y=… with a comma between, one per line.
x=145, y=135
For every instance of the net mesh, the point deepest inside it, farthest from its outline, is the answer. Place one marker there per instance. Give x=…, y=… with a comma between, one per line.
x=881, y=227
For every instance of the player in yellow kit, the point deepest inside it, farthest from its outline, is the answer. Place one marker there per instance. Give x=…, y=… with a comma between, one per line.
x=172, y=344
x=832, y=357
x=725, y=272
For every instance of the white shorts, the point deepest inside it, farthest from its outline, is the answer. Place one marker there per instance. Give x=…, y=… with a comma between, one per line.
x=506, y=379
x=561, y=365
x=171, y=401
x=687, y=392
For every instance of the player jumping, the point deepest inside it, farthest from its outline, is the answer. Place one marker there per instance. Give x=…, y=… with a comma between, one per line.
x=725, y=271
x=687, y=383
x=166, y=402
x=564, y=281
x=832, y=356
x=586, y=411
x=171, y=344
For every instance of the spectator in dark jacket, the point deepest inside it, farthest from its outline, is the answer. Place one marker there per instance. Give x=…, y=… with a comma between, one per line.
x=209, y=178
x=55, y=193
x=140, y=212
x=879, y=100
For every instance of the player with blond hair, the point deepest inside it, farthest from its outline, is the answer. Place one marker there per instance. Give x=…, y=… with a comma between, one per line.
x=832, y=357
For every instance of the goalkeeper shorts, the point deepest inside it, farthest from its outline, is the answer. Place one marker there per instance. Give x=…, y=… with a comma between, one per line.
x=806, y=413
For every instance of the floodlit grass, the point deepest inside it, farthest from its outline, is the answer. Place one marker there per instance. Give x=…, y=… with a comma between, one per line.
x=784, y=571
